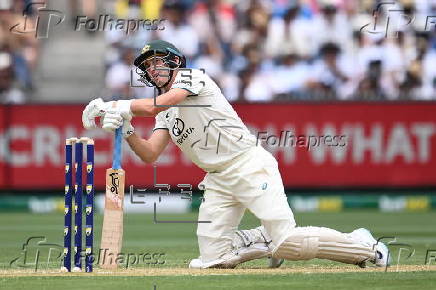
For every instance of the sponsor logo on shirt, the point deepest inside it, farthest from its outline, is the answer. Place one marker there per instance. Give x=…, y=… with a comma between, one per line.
x=179, y=131
x=185, y=135
x=178, y=127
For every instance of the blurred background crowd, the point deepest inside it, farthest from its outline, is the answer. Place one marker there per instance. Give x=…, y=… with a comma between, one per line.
x=257, y=50
x=18, y=53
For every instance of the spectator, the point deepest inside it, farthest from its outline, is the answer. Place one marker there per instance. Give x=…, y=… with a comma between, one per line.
x=331, y=75
x=427, y=59
x=23, y=47
x=371, y=87
x=9, y=93
x=210, y=61
x=122, y=80
x=331, y=26
x=386, y=54
x=290, y=34
x=290, y=77
x=178, y=31
x=261, y=50
x=217, y=18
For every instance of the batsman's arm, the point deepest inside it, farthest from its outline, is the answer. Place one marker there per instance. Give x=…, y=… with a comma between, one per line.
x=149, y=149
x=147, y=107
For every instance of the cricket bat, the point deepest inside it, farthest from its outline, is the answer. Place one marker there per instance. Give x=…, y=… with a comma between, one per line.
x=112, y=230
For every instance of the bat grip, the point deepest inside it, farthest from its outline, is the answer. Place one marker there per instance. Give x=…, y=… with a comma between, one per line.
x=118, y=141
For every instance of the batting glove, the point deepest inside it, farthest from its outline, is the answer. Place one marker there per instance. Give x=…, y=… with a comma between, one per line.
x=113, y=120
x=95, y=108
x=123, y=107
x=128, y=129
x=98, y=108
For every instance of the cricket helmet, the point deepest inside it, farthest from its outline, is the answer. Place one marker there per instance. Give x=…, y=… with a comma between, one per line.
x=166, y=51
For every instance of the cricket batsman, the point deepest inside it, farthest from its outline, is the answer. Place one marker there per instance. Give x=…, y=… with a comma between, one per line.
x=192, y=112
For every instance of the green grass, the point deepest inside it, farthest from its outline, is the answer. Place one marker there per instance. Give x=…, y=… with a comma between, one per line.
x=410, y=280
x=178, y=243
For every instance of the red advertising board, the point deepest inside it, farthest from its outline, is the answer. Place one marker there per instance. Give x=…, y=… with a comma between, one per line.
x=381, y=144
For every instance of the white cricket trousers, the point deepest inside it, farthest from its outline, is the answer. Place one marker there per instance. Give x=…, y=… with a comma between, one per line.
x=252, y=181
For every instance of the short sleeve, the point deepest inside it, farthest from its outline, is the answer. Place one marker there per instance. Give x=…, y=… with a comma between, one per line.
x=191, y=80
x=160, y=122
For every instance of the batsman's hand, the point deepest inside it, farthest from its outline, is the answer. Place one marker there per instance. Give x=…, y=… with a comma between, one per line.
x=95, y=108
x=112, y=120
x=98, y=108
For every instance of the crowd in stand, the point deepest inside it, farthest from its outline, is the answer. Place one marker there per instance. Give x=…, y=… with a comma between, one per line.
x=266, y=50
x=258, y=50
x=18, y=52
x=20, y=47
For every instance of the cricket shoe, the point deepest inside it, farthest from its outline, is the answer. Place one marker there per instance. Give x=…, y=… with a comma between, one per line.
x=198, y=264
x=236, y=257
x=382, y=256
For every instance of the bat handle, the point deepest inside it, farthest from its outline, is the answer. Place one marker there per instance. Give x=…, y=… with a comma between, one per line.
x=118, y=141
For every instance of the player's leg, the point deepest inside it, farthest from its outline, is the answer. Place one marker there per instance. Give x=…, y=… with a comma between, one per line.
x=306, y=243
x=215, y=239
x=259, y=188
x=247, y=245
x=221, y=246
x=224, y=210
x=261, y=191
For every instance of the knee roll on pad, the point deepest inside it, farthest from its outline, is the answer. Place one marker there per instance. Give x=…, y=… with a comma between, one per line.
x=306, y=243
x=298, y=246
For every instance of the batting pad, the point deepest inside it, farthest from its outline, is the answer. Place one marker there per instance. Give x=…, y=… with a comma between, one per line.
x=305, y=243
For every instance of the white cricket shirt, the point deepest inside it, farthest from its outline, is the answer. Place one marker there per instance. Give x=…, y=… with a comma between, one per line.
x=211, y=135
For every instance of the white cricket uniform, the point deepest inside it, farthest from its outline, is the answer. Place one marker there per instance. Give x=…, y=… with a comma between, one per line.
x=240, y=175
